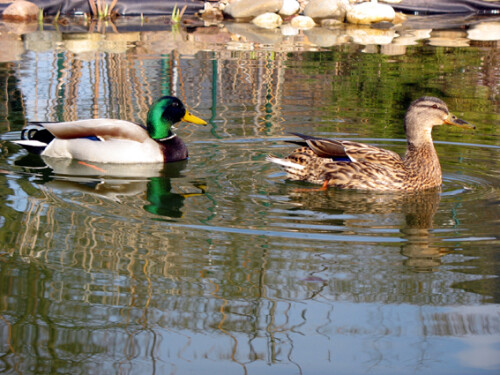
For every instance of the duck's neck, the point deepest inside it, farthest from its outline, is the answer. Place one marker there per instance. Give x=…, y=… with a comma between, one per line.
x=158, y=127
x=422, y=162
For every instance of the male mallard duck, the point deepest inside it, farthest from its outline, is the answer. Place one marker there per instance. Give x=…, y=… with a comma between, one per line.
x=114, y=141
x=353, y=165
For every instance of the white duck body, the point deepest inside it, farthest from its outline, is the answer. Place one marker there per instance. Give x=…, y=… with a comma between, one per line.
x=114, y=141
x=119, y=142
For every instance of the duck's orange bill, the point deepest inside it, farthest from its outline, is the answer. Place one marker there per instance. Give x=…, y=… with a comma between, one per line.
x=188, y=117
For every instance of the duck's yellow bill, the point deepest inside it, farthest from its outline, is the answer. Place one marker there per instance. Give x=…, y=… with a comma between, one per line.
x=188, y=117
x=454, y=120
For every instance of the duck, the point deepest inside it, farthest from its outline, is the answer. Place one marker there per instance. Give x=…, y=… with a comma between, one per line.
x=352, y=165
x=114, y=141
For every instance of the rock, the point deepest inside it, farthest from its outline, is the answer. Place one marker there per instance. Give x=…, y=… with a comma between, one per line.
x=289, y=30
x=367, y=13
x=302, y=22
x=252, y=8
x=11, y=46
x=289, y=8
x=42, y=41
x=485, y=31
x=326, y=38
x=18, y=28
x=411, y=37
x=369, y=36
x=254, y=34
x=82, y=43
x=319, y=9
x=330, y=23
x=121, y=42
x=268, y=20
x=448, y=38
x=399, y=18
x=211, y=13
x=21, y=11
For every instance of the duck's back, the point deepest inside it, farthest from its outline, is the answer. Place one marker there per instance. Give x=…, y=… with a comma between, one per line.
x=102, y=128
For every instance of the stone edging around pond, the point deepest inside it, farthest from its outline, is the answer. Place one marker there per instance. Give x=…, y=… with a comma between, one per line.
x=354, y=11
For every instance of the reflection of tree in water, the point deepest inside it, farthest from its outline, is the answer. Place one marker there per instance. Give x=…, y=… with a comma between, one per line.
x=11, y=100
x=412, y=213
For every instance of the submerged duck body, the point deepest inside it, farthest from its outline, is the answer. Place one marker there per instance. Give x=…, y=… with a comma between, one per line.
x=352, y=165
x=114, y=141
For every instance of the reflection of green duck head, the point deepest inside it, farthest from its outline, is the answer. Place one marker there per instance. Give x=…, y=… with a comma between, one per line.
x=162, y=201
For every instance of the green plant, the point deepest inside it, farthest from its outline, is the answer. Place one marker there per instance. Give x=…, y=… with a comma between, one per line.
x=40, y=17
x=178, y=13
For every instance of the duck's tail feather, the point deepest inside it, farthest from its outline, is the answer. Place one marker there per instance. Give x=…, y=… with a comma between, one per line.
x=37, y=132
x=295, y=171
x=34, y=137
x=35, y=147
x=284, y=162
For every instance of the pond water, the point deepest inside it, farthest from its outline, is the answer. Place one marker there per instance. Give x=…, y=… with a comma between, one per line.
x=221, y=265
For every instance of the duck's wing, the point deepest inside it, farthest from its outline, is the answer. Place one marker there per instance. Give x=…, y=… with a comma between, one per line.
x=340, y=150
x=103, y=129
x=323, y=147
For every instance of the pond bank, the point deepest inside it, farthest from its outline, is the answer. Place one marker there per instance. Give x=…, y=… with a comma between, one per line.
x=165, y=7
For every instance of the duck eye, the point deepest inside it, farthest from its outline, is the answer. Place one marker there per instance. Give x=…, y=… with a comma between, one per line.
x=434, y=106
x=175, y=104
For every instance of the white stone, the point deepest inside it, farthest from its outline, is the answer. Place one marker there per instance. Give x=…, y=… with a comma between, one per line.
x=289, y=8
x=43, y=40
x=368, y=36
x=411, y=37
x=302, y=22
x=323, y=37
x=484, y=31
x=254, y=34
x=330, y=23
x=268, y=20
x=12, y=48
x=318, y=9
x=289, y=30
x=367, y=13
x=252, y=8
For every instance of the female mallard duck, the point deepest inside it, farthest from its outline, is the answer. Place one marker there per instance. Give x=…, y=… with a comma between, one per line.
x=353, y=165
x=114, y=141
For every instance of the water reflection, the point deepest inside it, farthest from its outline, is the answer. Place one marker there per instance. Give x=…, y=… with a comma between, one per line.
x=411, y=214
x=164, y=202
x=113, y=181
x=243, y=274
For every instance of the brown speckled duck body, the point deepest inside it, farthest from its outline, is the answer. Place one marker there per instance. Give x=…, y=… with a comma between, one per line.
x=352, y=165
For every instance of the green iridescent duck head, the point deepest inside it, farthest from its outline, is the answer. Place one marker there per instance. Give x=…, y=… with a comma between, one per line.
x=164, y=113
